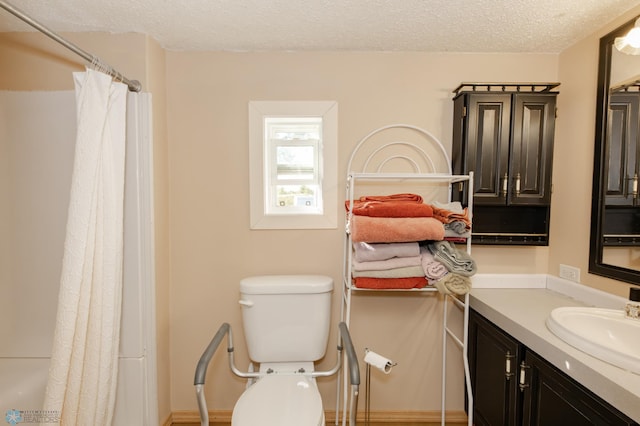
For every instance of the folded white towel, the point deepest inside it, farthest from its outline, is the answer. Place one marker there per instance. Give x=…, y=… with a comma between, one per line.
x=368, y=252
x=406, y=272
x=454, y=283
x=382, y=265
x=433, y=269
x=454, y=206
x=454, y=259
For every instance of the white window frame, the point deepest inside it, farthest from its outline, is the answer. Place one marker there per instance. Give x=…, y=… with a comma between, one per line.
x=259, y=217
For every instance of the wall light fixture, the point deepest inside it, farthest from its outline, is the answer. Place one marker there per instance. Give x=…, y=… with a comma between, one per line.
x=630, y=43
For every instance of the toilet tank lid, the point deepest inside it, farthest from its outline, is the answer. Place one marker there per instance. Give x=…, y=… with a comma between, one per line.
x=286, y=284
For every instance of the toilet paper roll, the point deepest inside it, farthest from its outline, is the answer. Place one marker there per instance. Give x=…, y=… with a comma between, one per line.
x=378, y=361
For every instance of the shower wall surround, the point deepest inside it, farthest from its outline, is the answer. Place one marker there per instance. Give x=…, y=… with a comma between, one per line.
x=37, y=137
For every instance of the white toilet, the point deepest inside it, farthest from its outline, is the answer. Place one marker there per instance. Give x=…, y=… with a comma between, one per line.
x=286, y=323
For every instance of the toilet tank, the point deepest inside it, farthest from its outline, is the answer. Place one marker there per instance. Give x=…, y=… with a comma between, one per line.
x=286, y=317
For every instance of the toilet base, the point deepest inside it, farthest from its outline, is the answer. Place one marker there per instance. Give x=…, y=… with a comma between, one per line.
x=280, y=400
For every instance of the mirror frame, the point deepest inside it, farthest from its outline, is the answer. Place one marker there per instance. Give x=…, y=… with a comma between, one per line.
x=596, y=266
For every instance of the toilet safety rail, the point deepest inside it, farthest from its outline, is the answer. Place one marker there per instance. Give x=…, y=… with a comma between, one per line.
x=225, y=329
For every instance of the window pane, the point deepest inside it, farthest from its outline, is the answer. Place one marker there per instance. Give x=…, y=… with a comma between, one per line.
x=291, y=128
x=297, y=196
x=295, y=162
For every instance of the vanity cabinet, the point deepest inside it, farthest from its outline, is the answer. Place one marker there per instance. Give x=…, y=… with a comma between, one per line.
x=506, y=139
x=493, y=363
x=513, y=385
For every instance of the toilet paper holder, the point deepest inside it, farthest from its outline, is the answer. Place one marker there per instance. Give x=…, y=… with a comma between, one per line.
x=378, y=361
x=381, y=363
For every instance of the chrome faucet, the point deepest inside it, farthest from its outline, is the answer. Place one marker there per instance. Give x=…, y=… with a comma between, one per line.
x=632, y=308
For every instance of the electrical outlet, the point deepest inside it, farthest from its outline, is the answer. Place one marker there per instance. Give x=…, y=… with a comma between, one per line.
x=570, y=273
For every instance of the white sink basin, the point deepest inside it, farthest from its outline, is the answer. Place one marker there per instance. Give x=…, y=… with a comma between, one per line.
x=602, y=333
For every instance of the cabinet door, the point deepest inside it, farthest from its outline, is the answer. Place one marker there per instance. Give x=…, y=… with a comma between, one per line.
x=487, y=137
x=621, y=162
x=552, y=398
x=493, y=361
x=532, y=149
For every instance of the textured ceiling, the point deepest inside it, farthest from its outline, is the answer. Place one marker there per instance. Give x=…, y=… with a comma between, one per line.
x=362, y=25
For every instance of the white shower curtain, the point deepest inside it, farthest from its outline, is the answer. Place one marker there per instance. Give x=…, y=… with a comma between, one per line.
x=84, y=361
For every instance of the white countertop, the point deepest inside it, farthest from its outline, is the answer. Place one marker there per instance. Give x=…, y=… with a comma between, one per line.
x=522, y=312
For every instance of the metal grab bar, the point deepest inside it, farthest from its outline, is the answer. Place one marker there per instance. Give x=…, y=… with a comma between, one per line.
x=352, y=359
x=203, y=363
x=225, y=329
x=201, y=370
x=354, y=370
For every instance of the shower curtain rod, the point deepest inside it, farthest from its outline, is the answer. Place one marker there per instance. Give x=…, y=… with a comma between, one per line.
x=134, y=85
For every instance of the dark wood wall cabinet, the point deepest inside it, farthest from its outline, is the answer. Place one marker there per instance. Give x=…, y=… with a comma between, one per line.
x=513, y=385
x=504, y=133
x=621, y=224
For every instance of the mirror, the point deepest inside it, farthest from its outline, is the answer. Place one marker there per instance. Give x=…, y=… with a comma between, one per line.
x=614, y=250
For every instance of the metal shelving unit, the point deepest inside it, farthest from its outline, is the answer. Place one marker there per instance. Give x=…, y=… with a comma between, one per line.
x=372, y=156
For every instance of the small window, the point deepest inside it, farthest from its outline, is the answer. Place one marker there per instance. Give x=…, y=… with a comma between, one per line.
x=293, y=154
x=293, y=167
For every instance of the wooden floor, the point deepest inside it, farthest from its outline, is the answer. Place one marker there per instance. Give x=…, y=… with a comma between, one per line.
x=360, y=423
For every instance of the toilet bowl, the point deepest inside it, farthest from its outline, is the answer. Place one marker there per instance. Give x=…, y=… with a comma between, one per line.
x=262, y=403
x=286, y=322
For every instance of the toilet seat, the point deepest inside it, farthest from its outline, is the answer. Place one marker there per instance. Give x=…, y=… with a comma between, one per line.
x=280, y=400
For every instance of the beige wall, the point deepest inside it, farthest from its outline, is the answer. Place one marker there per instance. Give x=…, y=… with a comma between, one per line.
x=204, y=246
x=212, y=247
x=31, y=61
x=573, y=159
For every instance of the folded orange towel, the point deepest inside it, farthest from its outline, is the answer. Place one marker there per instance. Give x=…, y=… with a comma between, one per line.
x=415, y=198
x=448, y=216
x=392, y=209
x=395, y=229
x=397, y=205
x=390, y=283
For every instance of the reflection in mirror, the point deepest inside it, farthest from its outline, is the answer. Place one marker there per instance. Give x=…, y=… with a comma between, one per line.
x=621, y=223
x=630, y=42
x=615, y=228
